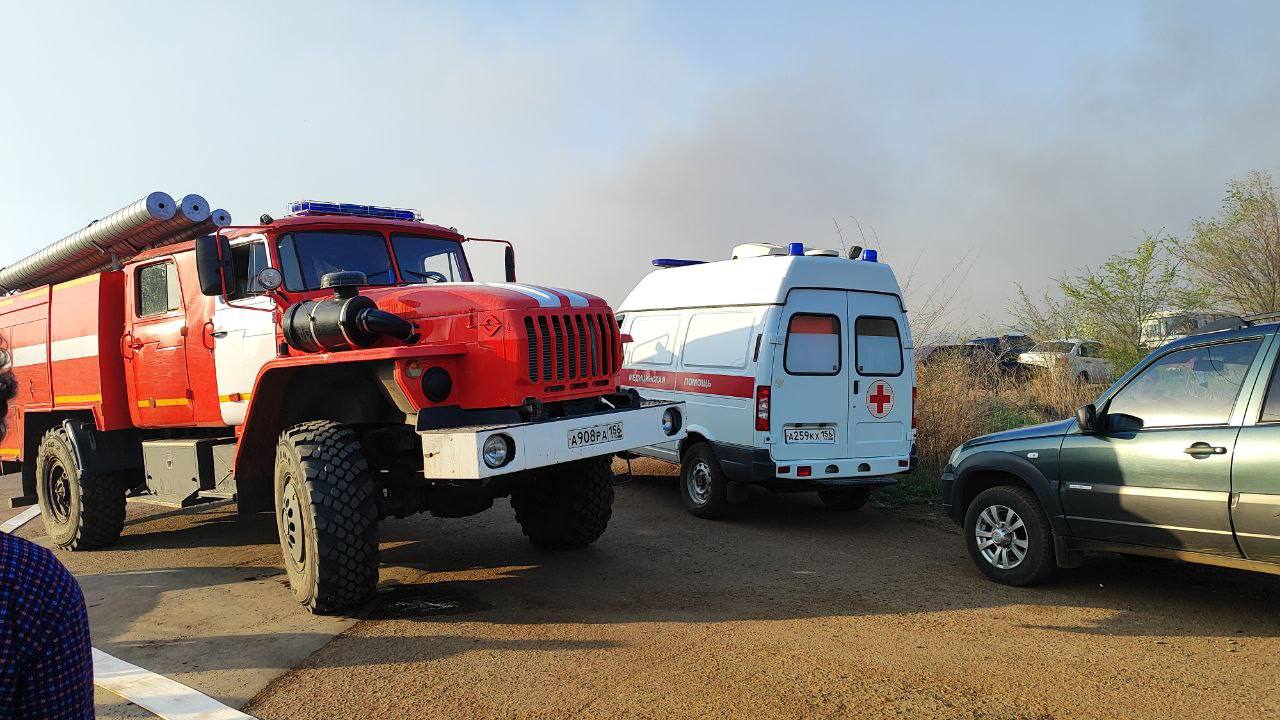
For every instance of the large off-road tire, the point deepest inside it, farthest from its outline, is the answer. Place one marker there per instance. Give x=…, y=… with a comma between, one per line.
x=566, y=506
x=1009, y=537
x=326, y=516
x=845, y=499
x=702, y=483
x=82, y=509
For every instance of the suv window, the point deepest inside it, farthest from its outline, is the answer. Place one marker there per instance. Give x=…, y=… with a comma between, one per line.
x=1196, y=386
x=877, y=346
x=158, y=290
x=813, y=345
x=1271, y=405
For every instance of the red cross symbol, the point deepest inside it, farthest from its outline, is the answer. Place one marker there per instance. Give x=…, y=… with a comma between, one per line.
x=880, y=399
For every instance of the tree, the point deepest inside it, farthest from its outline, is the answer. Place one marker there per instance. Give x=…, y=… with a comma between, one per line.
x=1235, y=257
x=1115, y=299
x=1046, y=317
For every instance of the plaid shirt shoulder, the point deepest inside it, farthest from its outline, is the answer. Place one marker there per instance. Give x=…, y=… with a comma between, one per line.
x=46, y=661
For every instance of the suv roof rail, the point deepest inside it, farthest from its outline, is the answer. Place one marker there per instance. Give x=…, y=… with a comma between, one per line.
x=1236, y=322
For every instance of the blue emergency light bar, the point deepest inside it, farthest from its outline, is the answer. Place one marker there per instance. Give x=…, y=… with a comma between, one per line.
x=316, y=207
x=674, y=262
x=870, y=255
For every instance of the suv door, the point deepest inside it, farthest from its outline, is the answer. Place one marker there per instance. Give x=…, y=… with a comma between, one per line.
x=1255, y=507
x=1167, y=484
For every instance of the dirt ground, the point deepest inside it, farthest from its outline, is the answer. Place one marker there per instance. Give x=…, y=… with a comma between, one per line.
x=783, y=610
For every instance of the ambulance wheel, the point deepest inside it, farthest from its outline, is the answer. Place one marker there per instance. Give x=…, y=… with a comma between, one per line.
x=566, y=506
x=82, y=509
x=702, y=483
x=326, y=516
x=845, y=499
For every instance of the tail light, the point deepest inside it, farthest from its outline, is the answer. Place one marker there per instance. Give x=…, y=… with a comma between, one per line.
x=762, y=408
x=914, y=394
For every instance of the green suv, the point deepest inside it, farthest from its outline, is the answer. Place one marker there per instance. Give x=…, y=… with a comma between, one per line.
x=1179, y=458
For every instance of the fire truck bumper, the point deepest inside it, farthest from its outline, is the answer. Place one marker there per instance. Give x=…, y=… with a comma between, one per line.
x=485, y=451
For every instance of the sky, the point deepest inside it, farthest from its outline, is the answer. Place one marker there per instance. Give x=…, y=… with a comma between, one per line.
x=1020, y=141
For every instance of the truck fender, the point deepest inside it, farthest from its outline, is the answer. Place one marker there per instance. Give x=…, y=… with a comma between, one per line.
x=105, y=452
x=969, y=473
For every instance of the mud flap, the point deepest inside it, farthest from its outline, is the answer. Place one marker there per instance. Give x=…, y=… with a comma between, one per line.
x=736, y=491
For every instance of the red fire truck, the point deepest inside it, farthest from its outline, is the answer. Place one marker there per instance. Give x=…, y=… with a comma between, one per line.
x=338, y=366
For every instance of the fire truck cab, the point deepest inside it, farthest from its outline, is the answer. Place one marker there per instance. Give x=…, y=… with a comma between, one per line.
x=335, y=366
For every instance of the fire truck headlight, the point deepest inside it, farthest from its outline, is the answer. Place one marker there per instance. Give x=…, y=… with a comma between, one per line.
x=498, y=450
x=671, y=421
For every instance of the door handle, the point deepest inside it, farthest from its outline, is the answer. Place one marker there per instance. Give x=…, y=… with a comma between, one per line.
x=1202, y=448
x=219, y=334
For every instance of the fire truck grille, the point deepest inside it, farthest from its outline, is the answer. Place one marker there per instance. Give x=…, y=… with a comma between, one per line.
x=571, y=347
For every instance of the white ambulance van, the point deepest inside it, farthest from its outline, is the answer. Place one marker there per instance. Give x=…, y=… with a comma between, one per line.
x=795, y=367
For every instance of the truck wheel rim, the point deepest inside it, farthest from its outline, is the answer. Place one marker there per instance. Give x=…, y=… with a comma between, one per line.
x=699, y=482
x=1001, y=536
x=291, y=527
x=57, y=491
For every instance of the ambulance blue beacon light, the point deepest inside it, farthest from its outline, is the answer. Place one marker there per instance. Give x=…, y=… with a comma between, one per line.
x=316, y=207
x=870, y=255
x=675, y=262
x=796, y=248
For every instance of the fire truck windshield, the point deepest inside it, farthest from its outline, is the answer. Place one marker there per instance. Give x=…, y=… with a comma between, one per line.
x=306, y=257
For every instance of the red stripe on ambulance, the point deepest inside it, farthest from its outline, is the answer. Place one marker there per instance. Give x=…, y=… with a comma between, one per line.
x=702, y=383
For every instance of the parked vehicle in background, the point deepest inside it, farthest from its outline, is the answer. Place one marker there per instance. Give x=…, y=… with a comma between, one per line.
x=338, y=366
x=795, y=368
x=1178, y=459
x=1162, y=327
x=1005, y=348
x=1082, y=357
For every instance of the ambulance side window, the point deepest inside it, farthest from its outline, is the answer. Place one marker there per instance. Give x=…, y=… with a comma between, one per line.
x=653, y=339
x=813, y=345
x=718, y=339
x=158, y=289
x=878, y=346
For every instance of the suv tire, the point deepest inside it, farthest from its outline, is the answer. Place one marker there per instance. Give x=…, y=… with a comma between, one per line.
x=702, y=483
x=845, y=499
x=566, y=506
x=1021, y=541
x=326, y=516
x=82, y=509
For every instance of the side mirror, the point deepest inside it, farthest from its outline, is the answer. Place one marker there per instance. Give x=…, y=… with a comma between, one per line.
x=1120, y=422
x=509, y=257
x=1087, y=419
x=213, y=264
x=269, y=279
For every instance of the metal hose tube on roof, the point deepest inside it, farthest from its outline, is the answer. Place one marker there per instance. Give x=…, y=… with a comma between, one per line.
x=153, y=221
x=217, y=219
x=90, y=249
x=192, y=210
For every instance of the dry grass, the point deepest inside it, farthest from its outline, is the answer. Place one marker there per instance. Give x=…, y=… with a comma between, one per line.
x=963, y=398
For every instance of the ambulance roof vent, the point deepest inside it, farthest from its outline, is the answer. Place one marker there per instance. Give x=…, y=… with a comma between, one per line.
x=822, y=253
x=750, y=250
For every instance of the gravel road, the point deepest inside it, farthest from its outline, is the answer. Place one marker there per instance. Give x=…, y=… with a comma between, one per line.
x=784, y=610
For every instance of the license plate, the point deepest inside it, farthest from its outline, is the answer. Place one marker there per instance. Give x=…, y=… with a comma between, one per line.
x=595, y=435
x=809, y=436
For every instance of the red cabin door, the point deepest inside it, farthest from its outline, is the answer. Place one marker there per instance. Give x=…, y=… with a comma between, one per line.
x=154, y=348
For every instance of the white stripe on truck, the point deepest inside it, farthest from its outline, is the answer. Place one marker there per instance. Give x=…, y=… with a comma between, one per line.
x=85, y=346
x=74, y=348
x=28, y=355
